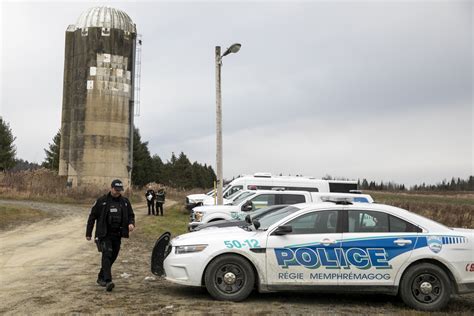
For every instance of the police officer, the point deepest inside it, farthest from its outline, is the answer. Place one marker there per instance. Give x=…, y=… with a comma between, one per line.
x=115, y=219
x=160, y=200
x=150, y=201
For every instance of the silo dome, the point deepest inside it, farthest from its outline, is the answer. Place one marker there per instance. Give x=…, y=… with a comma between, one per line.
x=106, y=17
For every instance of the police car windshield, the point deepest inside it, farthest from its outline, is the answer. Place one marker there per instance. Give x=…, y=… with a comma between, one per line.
x=263, y=211
x=268, y=220
x=225, y=188
x=242, y=197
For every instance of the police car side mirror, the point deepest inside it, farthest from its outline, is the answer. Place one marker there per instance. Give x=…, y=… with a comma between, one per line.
x=256, y=224
x=283, y=230
x=247, y=206
x=248, y=219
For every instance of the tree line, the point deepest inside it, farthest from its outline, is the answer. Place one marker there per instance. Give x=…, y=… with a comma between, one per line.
x=179, y=172
x=456, y=184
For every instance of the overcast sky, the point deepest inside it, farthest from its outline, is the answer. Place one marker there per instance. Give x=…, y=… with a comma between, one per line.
x=377, y=90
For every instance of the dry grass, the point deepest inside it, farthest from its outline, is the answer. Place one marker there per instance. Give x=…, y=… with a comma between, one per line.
x=45, y=185
x=12, y=216
x=452, y=209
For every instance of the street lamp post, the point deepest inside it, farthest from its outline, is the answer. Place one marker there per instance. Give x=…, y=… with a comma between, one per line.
x=232, y=49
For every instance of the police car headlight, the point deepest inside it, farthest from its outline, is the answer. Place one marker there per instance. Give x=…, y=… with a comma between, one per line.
x=189, y=249
x=198, y=216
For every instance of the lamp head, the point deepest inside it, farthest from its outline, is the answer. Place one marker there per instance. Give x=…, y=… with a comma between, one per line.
x=234, y=48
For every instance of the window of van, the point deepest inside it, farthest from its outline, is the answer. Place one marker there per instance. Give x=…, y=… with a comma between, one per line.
x=232, y=190
x=234, y=195
x=292, y=198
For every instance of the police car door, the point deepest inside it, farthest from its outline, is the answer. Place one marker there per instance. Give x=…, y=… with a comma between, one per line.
x=375, y=245
x=307, y=254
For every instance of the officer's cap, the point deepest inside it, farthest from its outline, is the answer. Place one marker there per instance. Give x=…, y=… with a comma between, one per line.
x=117, y=185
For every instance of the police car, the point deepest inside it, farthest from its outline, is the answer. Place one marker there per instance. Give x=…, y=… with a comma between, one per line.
x=331, y=247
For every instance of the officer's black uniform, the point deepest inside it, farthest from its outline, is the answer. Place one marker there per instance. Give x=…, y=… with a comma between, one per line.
x=160, y=200
x=151, y=202
x=113, y=215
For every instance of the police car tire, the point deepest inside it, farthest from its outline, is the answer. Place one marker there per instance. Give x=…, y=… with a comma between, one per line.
x=409, y=291
x=233, y=263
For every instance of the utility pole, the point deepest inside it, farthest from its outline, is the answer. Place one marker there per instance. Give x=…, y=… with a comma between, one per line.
x=218, y=126
x=232, y=49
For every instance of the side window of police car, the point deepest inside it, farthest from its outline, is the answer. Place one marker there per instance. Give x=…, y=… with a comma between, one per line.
x=377, y=222
x=322, y=222
x=263, y=200
x=398, y=225
x=367, y=222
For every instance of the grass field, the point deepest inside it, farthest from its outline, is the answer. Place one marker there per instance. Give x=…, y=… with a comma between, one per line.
x=451, y=209
x=175, y=221
x=11, y=216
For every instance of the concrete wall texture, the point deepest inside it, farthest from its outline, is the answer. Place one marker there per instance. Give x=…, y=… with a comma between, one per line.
x=97, y=111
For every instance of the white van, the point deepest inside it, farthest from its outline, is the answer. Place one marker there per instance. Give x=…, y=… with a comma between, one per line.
x=265, y=181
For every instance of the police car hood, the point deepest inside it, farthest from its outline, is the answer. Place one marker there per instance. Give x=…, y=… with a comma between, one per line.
x=197, y=197
x=215, y=208
x=206, y=236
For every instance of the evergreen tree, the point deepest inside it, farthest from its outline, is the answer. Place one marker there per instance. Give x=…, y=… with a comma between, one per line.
x=7, y=148
x=158, y=169
x=21, y=165
x=183, y=172
x=365, y=184
x=177, y=172
x=52, y=154
x=142, y=172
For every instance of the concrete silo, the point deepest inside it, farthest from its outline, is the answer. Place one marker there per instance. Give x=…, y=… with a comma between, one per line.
x=98, y=106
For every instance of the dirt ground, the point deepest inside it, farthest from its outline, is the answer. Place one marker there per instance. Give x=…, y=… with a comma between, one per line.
x=49, y=268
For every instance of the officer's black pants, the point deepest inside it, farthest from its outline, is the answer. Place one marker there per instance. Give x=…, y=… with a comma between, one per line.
x=159, y=208
x=151, y=207
x=110, y=251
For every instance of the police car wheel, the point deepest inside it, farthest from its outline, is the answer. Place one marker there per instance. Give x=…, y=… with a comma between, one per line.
x=425, y=287
x=229, y=278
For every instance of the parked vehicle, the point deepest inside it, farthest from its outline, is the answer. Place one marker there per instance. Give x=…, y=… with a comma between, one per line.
x=231, y=198
x=257, y=214
x=329, y=247
x=266, y=181
x=262, y=198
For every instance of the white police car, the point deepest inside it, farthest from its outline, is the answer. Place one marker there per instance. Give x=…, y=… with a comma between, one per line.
x=326, y=247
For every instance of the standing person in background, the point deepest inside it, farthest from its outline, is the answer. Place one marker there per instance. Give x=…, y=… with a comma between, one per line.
x=115, y=219
x=150, y=201
x=160, y=200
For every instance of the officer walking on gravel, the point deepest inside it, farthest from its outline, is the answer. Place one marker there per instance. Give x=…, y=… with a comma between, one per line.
x=115, y=219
